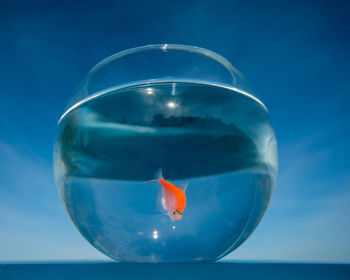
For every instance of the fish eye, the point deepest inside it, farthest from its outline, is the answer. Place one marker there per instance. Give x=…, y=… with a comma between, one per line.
x=175, y=212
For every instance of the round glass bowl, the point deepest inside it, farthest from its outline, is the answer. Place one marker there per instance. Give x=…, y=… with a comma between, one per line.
x=180, y=109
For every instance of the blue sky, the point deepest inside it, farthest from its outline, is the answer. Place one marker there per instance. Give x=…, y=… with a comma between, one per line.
x=295, y=54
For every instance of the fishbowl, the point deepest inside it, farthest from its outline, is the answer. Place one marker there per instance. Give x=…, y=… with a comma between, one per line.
x=164, y=154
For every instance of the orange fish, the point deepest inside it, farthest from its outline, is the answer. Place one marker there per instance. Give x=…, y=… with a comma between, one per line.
x=173, y=198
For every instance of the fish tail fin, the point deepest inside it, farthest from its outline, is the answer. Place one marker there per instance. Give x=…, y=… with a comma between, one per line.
x=158, y=175
x=151, y=181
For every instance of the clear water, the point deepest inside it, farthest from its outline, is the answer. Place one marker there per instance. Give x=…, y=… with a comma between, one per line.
x=217, y=139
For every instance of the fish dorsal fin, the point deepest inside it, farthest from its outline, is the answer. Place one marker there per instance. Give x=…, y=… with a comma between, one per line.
x=158, y=175
x=183, y=186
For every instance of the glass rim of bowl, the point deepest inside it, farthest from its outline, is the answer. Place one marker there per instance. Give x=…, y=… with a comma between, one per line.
x=163, y=47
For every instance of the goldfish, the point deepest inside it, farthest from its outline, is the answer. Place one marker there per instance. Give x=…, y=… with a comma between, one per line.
x=173, y=198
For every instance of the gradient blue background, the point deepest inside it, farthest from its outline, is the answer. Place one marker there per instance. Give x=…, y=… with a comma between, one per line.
x=295, y=53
